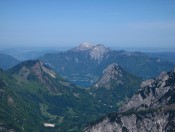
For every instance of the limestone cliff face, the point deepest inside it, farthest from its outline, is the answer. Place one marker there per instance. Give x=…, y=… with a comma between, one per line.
x=83, y=47
x=96, y=52
x=159, y=121
x=154, y=93
x=152, y=108
x=112, y=73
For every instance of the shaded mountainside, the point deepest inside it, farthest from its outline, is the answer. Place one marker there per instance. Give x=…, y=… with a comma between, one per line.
x=7, y=61
x=37, y=71
x=152, y=108
x=84, y=64
x=59, y=101
x=17, y=113
x=114, y=86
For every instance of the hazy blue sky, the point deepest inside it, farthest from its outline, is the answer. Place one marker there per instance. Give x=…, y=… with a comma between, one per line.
x=119, y=23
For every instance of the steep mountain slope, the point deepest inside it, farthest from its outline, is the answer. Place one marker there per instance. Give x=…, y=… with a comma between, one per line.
x=114, y=86
x=84, y=64
x=152, y=108
x=60, y=102
x=7, y=61
x=154, y=93
x=16, y=113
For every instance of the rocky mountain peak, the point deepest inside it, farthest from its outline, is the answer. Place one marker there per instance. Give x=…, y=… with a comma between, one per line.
x=154, y=93
x=98, y=51
x=37, y=71
x=162, y=77
x=40, y=66
x=83, y=47
x=32, y=67
x=112, y=68
x=112, y=73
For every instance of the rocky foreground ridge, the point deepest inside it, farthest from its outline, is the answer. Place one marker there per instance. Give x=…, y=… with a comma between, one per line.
x=152, y=108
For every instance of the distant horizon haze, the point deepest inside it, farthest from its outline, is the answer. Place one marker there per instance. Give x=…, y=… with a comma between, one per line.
x=68, y=47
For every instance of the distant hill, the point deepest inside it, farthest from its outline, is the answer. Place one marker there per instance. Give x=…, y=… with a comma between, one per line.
x=24, y=54
x=115, y=86
x=31, y=55
x=83, y=65
x=7, y=61
x=168, y=56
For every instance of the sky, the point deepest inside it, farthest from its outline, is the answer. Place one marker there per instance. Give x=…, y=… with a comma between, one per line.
x=64, y=23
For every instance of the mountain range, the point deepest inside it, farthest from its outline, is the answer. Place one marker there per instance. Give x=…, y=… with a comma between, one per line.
x=169, y=56
x=83, y=65
x=35, y=95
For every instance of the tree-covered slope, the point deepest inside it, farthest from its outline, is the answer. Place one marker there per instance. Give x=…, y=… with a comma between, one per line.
x=60, y=102
x=17, y=113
